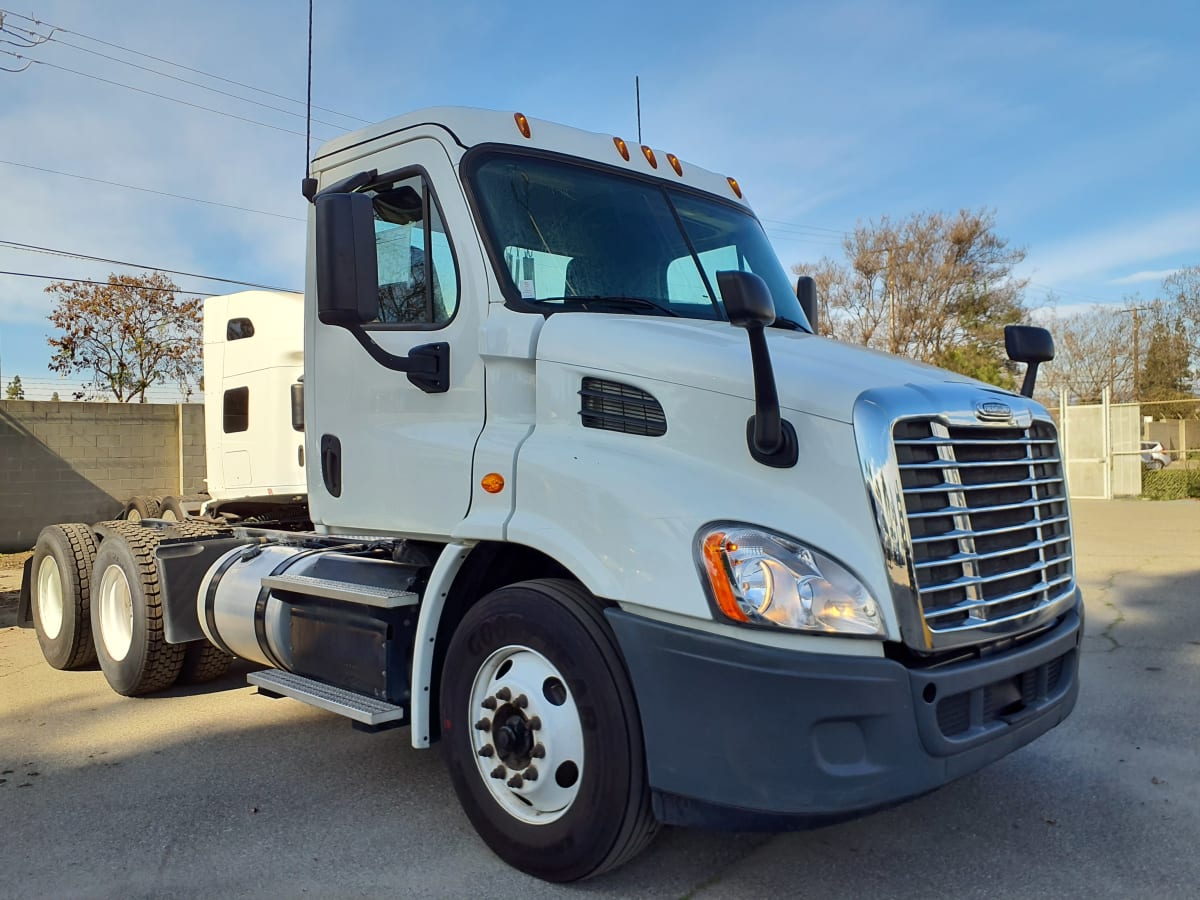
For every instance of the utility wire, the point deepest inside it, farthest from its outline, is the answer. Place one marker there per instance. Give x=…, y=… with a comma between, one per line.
x=130, y=87
x=181, y=66
x=133, y=187
x=33, y=248
x=106, y=284
x=204, y=87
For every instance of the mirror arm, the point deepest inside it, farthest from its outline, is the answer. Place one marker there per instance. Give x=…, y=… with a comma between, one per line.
x=770, y=437
x=427, y=366
x=1030, y=379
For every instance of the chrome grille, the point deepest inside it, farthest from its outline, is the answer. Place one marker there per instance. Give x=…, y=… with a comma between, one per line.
x=988, y=523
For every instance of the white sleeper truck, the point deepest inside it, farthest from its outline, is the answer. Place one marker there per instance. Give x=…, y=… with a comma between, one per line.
x=595, y=510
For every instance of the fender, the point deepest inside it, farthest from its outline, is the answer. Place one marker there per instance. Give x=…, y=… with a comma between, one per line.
x=445, y=570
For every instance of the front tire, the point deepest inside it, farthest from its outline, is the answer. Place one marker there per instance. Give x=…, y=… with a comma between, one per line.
x=534, y=685
x=127, y=614
x=61, y=595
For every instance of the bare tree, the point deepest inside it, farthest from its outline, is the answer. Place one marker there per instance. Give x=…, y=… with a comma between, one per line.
x=1091, y=352
x=935, y=287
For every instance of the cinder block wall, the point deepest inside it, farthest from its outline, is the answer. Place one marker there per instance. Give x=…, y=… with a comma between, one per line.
x=80, y=462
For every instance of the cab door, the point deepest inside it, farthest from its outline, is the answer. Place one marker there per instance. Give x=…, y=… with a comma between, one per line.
x=386, y=455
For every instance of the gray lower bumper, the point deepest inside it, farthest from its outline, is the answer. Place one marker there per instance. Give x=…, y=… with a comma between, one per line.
x=742, y=736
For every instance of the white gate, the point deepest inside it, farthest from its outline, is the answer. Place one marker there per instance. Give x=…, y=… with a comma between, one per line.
x=1101, y=443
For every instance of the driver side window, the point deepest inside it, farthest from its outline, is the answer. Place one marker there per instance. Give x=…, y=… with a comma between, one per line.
x=418, y=282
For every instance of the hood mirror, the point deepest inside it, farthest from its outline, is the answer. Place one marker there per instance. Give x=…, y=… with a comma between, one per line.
x=1028, y=344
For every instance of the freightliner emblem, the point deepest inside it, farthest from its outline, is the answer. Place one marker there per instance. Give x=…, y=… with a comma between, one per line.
x=993, y=411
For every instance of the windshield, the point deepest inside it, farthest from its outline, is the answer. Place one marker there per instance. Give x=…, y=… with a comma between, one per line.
x=581, y=239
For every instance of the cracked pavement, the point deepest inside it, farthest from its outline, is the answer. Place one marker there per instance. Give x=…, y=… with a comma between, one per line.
x=218, y=792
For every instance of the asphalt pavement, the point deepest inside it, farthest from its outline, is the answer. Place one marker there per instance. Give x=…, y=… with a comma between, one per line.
x=221, y=793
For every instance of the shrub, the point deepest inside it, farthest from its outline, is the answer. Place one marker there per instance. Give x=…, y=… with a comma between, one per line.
x=1171, y=484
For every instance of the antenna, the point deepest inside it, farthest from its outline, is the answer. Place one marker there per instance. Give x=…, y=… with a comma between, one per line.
x=308, y=186
x=637, y=89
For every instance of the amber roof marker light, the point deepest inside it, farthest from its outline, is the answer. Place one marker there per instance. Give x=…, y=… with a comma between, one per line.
x=737, y=188
x=675, y=164
x=649, y=154
x=622, y=148
x=522, y=123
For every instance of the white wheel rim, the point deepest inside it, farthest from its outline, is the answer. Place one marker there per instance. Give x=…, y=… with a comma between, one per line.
x=169, y=515
x=50, y=597
x=116, y=613
x=133, y=516
x=547, y=731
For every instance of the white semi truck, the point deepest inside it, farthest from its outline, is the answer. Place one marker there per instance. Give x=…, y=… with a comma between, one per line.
x=595, y=510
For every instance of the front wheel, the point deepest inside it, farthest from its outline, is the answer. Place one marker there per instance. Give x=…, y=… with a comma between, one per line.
x=541, y=732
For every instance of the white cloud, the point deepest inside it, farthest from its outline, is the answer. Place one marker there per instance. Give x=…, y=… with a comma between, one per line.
x=1148, y=275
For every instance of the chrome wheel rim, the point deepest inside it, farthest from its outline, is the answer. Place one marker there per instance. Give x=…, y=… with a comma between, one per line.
x=526, y=735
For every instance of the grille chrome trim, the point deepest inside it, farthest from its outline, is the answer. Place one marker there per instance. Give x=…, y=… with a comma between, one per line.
x=950, y=579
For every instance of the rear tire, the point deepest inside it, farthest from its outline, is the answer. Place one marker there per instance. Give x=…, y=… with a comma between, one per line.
x=202, y=663
x=61, y=595
x=171, y=509
x=587, y=808
x=127, y=614
x=139, y=508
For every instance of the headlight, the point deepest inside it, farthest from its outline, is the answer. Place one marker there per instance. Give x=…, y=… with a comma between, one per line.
x=766, y=579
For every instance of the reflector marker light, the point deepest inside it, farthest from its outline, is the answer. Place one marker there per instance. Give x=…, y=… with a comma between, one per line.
x=522, y=123
x=492, y=482
x=675, y=164
x=622, y=148
x=649, y=154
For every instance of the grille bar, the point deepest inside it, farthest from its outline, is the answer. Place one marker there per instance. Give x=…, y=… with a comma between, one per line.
x=972, y=580
x=1008, y=598
x=963, y=510
x=991, y=485
x=941, y=464
x=949, y=442
x=967, y=533
x=958, y=558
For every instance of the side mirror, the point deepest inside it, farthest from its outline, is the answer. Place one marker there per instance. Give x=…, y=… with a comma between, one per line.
x=347, y=268
x=748, y=303
x=1028, y=344
x=747, y=298
x=806, y=293
x=298, y=404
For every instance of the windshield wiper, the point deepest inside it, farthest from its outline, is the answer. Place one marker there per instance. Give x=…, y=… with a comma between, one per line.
x=614, y=300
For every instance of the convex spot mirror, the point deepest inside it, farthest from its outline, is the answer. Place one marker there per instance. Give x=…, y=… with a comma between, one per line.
x=347, y=268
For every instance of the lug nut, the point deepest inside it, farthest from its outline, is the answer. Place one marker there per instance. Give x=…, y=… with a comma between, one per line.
x=489, y=703
x=487, y=750
x=499, y=772
x=530, y=774
x=521, y=702
x=516, y=781
x=535, y=723
x=538, y=751
x=483, y=725
x=504, y=694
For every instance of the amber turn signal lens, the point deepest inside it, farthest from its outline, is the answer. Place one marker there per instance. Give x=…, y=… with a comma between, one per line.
x=522, y=124
x=622, y=148
x=714, y=565
x=492, y=482
x=737, y=189
x=675, y=164
x=649, y=154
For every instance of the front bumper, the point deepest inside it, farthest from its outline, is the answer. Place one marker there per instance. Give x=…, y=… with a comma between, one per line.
x=741, y=736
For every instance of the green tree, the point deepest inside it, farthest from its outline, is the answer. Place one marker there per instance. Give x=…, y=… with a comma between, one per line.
x=15, y=390
x=936, y=287
x=1165, y=373
x=129, y=334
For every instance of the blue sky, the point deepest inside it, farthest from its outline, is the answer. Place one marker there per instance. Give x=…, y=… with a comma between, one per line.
x=1078, y=123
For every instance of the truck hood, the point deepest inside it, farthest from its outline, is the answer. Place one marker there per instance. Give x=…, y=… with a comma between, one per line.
x=814, y=375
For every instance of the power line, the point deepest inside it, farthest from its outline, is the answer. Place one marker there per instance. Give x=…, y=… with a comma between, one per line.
x=133, y=187
x=203, y=87
x=181, y=66
x=105, y=283
x=130, y=87
x=33, y=248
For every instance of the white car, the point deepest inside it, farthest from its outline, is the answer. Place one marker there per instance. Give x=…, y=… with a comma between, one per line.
x=1153, y=455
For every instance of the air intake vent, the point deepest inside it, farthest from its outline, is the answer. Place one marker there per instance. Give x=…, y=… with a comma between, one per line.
x=618, y=407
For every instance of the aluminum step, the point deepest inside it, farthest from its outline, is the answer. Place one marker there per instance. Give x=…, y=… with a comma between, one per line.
x=358, y=707
x=368, y=595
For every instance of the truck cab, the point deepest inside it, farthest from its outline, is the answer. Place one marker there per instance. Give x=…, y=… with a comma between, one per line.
x=595, y=510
